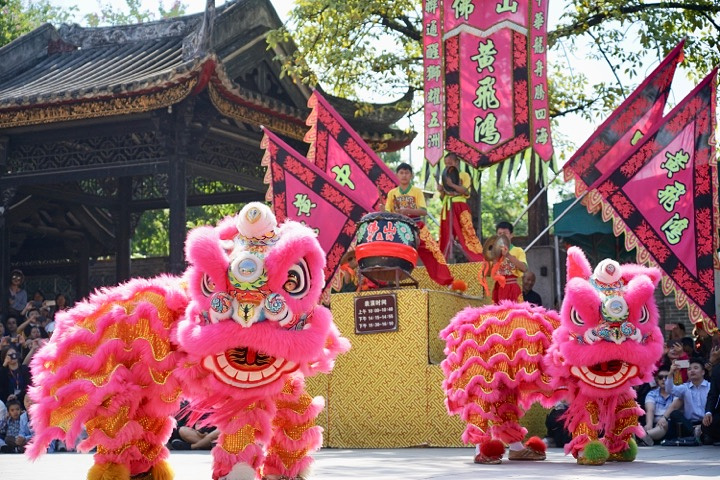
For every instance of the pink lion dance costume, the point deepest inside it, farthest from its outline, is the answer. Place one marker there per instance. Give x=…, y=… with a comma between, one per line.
x=504, y=357
x=236, y=335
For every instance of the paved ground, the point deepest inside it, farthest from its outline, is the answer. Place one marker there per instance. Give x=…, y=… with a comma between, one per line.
x=657, y=463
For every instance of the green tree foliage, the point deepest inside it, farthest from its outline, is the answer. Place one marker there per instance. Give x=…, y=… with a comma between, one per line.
x=18, y=17
x=353, y=45
x=151, y=237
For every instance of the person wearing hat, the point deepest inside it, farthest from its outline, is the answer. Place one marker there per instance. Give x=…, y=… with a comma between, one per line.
x=18, y=296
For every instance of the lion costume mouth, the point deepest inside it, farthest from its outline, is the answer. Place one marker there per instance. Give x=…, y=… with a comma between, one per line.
x=247, y=368
x=605, y=375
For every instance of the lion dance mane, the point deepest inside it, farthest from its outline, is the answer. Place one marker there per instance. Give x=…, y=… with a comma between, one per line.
x=235, y=335
x=501, y=358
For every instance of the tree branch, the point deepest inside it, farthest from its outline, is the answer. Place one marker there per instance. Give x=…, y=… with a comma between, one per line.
x=584, y=24
x=406, y=27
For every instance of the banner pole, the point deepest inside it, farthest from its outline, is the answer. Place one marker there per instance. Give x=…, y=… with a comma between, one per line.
x=522, y=214
x=555, y=221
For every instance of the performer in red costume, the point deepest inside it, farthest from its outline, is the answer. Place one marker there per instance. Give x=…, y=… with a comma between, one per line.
x=456, y=219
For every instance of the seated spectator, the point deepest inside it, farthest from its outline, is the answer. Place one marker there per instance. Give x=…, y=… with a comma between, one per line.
x=693, y=395
x=678, y=331
x=711, y=419
x=14, y=376
x=530, y=295
x=189, y=438
x=677, y=352
x=557, y=434
x=192, y=439
x=11, y=331
x=18, y=296
x=10, y=430
x=61, y=303
x=26, y=432
x=657, y=402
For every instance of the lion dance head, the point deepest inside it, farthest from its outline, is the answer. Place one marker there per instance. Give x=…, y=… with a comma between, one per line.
x=609, y=335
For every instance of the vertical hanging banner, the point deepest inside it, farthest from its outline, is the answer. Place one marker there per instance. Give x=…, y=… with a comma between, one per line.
x=433, y=81
x=664, y=197
x=495, y=79
x=540, y=113
x=610, y=144
x=340, y=152
x=302, y=192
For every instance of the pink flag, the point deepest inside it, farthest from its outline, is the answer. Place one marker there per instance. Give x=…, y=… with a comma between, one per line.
x=664, y=196
x=339, y=151
x=302, y=192
x=617, y=136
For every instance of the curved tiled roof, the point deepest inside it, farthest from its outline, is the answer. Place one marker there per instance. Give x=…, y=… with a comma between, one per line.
x=89, y=73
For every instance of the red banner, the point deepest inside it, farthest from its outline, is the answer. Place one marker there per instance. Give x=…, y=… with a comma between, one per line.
x=616, y=137
x=495, y=80
x=345, y=157
x=664, y=197
x=433, y=81
x=302, y=192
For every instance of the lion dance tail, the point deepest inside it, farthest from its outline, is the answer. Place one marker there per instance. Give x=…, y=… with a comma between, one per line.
x=493, y=366
x=109, y=368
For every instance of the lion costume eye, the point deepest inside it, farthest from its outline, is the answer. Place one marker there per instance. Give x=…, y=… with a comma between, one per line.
x=575, y=317
x=207, y=286
x=298, y=280
x=644, y=315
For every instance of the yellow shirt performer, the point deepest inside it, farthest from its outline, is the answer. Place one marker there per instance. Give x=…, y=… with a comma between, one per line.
x=456, y=219
x=407, y=199
x=513, y=264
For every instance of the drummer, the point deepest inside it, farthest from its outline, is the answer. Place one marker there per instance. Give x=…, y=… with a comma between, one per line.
x=407, y=199
x=456, y=219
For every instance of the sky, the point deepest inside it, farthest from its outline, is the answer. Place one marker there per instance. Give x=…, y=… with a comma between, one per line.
x=573, y=127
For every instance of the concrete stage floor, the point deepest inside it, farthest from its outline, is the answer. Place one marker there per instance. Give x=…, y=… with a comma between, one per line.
x=655, y=463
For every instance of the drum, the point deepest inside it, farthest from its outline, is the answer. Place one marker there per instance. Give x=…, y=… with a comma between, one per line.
x=385, y=239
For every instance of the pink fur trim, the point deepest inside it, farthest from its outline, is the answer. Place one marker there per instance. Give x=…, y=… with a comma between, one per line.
x=296, y=242
x=577, y=264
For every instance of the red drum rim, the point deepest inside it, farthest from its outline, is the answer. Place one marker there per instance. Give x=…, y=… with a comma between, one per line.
x=386, y=249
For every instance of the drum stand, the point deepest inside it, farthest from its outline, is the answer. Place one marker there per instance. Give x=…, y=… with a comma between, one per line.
x=387, y=277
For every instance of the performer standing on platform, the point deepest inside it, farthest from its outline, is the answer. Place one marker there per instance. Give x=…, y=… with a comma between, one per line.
x=456, y=219
x=513, y=265
x=407, y=199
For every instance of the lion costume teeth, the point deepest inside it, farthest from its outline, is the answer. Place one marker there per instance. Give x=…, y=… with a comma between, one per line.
x=501, y=358
x=236, y=336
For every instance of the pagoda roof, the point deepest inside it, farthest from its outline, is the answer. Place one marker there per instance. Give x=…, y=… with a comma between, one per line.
x=71, y=72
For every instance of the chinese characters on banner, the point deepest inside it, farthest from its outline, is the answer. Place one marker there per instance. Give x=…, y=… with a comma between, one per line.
x=664, y=197
x=616, y=137
x=302, y=192
x=343, y=155
x=433, y=81
x=495, y=79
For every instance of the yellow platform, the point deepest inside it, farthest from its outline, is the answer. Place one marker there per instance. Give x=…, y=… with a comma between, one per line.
x=386, y=392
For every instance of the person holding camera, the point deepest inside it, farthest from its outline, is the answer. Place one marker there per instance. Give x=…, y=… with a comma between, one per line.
x=14, y=376
x=685, y=414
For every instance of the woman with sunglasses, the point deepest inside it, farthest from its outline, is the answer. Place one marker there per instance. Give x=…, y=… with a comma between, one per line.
x=14, y=376
x=18, y=296
x=656, y=403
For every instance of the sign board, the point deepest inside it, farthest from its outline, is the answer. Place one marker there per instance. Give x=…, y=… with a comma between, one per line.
x=376, y=313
